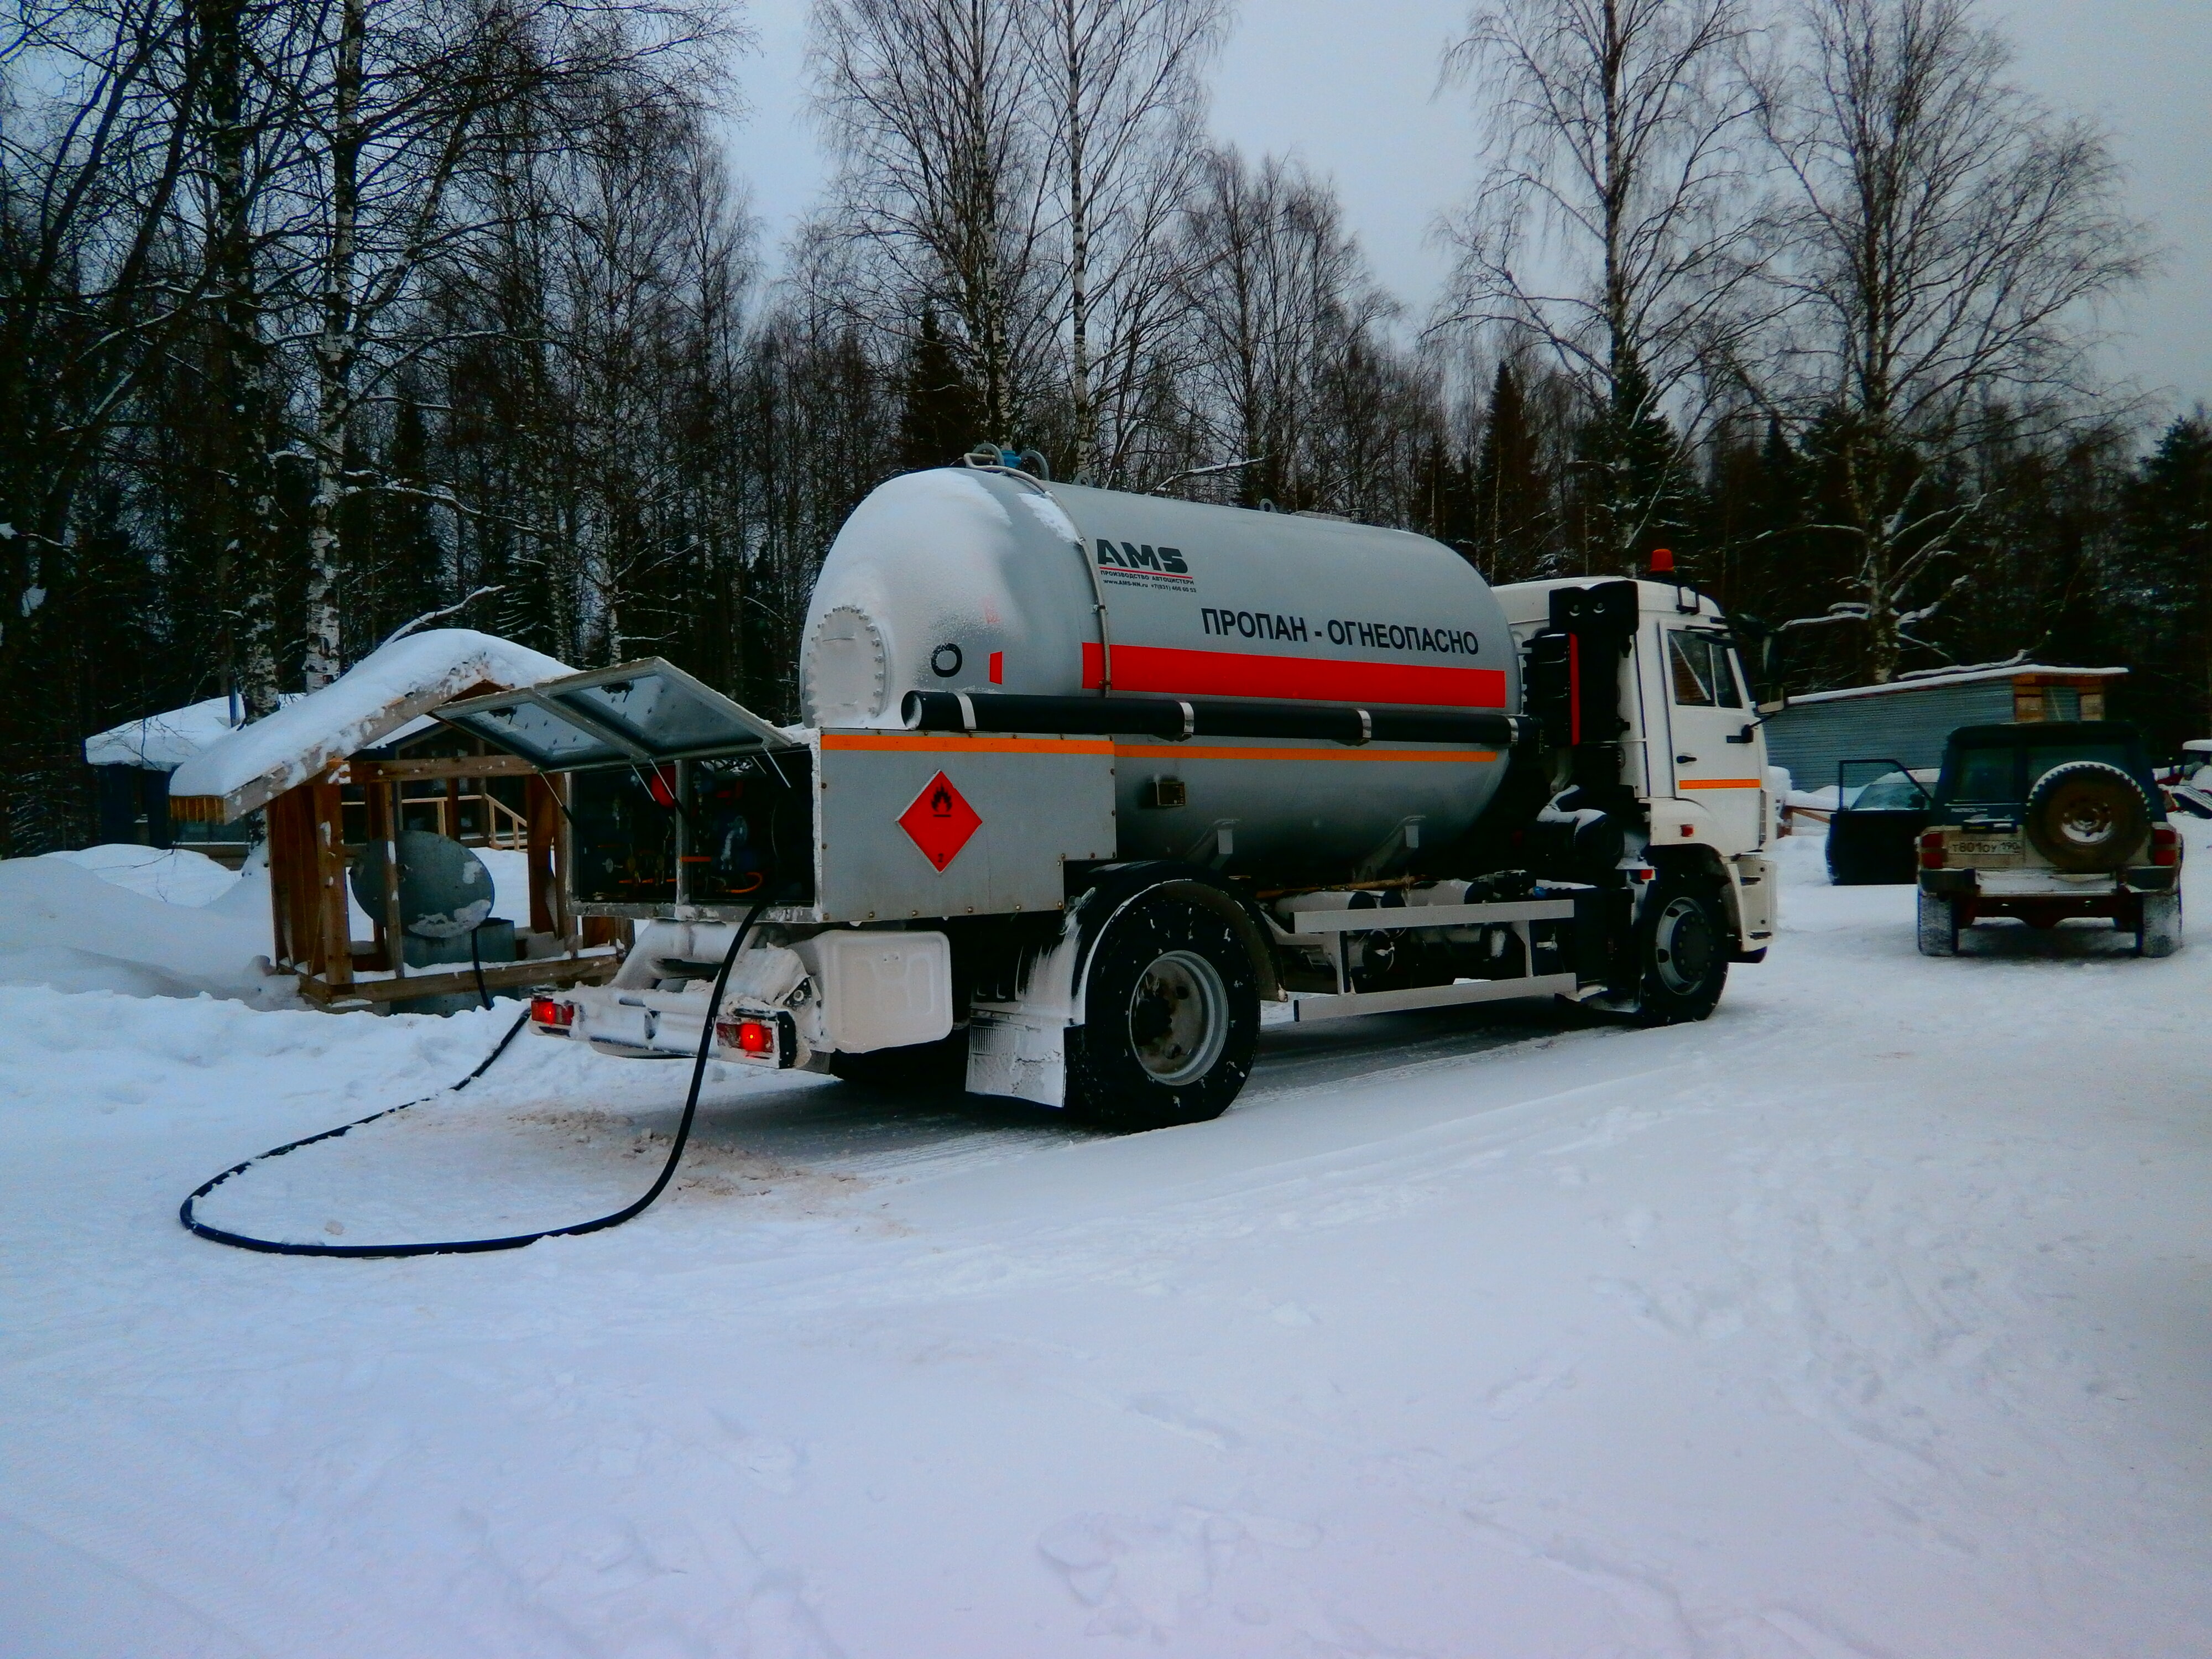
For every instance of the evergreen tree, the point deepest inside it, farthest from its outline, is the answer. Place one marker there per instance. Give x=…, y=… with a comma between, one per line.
x=2161, y=583
x=1512, y=504
x=940, y=415
x=1634, y=494
x=407, y=557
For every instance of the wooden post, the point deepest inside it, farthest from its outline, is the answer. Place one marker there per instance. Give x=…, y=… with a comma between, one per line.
x=395, y=933
x=542, y=814
x=294, y=893
x=564, y=867
x=376, y=802
x=336, y=930
x=680, y=773
x=280, y=918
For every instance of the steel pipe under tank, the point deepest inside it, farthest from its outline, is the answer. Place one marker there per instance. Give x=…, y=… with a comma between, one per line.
x=1177, y=720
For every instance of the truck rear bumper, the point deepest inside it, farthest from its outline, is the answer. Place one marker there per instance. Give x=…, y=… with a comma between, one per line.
x=2045, y=898
x=2001, y=884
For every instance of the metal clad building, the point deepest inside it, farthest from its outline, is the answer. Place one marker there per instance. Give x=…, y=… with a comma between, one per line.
x=1907, y=720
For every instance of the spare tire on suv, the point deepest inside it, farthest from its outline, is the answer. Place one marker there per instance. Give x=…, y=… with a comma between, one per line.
x=2086, y=817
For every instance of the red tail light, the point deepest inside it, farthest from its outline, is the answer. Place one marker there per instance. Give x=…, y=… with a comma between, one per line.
x=547, y=1011
x=747, y=1037
x=2164, y=845
x=1931, y=850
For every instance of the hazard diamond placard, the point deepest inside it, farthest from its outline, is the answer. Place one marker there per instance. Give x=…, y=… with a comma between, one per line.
x=940, y=821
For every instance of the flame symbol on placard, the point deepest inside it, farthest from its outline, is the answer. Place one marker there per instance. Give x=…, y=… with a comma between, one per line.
x=938, y=822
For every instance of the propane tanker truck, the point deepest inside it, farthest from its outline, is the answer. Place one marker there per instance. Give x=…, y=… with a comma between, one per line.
x=1084, y=778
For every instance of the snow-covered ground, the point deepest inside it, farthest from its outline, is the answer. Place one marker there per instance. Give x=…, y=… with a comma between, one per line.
x=1873, y=1317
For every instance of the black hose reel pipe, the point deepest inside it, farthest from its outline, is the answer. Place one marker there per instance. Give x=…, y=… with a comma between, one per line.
x=1180, y=720
x=628, y=1211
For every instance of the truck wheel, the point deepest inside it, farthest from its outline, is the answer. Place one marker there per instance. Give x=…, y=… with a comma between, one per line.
x=2158, y=931
x=1170, y=1016
x=1682, y=945
x=1939, y=925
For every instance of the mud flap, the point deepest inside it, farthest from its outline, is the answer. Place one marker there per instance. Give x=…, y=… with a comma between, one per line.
x=1019, y=1053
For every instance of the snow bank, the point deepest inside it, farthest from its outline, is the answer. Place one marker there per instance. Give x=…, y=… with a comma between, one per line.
x=174, y=875
x=1799, y=860
x=70, y=927
x=143, y=922
x=375, y=698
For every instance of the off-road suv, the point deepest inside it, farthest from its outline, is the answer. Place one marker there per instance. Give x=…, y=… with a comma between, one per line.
x=2045, y=821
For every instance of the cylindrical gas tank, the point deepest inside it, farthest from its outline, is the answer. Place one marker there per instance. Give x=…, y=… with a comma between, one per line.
x=977, y=580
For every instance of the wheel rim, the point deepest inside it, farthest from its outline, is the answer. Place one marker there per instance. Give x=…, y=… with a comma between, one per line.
x=2086, y=821
x=1682, y=945
x=1178, y=1017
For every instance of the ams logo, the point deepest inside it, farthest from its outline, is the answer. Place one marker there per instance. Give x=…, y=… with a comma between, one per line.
x=1141, y=558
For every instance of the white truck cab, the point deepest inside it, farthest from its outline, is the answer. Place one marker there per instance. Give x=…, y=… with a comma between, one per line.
x=1691, y=747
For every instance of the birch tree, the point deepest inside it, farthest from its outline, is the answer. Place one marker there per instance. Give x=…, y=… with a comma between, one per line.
x=1952, y=236
x=404, y=118
x=931, y=109
x=1121, y=98
x=1613, y=228
x=1278, y=338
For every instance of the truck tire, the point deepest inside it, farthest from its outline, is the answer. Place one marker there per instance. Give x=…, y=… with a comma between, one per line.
x=1171, y=1014
x=1682, y=944
x=2088, y=817
x=2158, y=928
x=1939, y=925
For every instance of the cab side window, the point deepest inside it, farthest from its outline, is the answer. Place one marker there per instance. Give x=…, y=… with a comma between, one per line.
x=1700, y=667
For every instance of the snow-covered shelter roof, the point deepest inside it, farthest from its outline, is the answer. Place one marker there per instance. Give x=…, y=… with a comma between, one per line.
x=1944, y=677
x=161, y=743
x=384, y=692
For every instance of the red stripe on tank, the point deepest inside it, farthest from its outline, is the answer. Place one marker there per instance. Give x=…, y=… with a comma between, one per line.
x=1303, y=679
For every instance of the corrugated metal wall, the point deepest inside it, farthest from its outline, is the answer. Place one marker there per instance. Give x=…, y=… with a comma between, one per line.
x=1909, y=727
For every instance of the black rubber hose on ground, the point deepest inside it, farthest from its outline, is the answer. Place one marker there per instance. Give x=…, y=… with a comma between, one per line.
x=477, y=1246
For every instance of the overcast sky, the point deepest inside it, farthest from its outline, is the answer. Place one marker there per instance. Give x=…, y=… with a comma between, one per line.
x=1350, y=86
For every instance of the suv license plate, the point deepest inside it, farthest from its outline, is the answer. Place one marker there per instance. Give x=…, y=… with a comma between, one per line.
x=1984, y=849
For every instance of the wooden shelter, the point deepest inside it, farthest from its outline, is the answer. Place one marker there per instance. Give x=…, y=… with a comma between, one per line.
x=350, y=767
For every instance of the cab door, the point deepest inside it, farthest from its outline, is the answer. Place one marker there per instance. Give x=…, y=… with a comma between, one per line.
x=1718, y=760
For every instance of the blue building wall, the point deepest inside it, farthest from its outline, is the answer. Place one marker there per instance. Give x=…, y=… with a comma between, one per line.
x=1908, y=726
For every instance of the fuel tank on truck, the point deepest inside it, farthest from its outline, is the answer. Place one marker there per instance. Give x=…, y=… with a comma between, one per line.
x=983, y=581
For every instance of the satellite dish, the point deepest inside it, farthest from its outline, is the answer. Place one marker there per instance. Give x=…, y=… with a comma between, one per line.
x=445, y=891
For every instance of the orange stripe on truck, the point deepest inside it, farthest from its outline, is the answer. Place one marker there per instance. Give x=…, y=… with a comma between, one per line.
x=1716, y=783
x=954, y=742
x=1204, y=751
